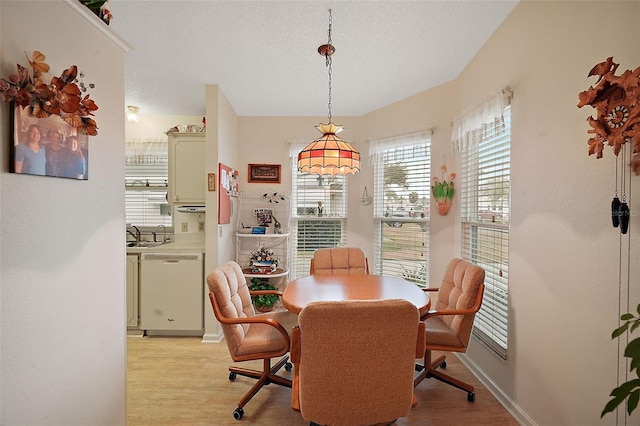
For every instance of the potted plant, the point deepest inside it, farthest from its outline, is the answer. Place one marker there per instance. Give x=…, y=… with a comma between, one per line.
x=630, y=390
x=442, y=191
x=264, y=295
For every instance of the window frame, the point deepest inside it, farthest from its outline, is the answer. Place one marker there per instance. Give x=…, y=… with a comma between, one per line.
x=146, y=183
x=305, y=214
x=485, y=224
x=394, y=223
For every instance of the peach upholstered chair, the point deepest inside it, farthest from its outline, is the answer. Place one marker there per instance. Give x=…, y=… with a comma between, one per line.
x=354, y=361
x=339, y=260
x=249, y=336
x=449, y=325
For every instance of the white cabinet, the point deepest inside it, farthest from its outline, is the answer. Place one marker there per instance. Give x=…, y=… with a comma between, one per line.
x=187, y=176
x=132, y=291
x=171, y=293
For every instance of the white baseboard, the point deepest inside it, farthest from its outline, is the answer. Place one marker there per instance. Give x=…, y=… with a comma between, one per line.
x=514, y=409
x=212, y=338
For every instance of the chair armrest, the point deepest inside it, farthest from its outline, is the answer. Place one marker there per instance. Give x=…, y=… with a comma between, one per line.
x=294, y=356
x=472, y=310
x=249, y=320
x=294, y=352
x=435, y=313
x=421, y=343
x=263, y=292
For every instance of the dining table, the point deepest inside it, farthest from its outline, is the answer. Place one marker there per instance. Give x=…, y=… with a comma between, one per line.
x=314, y=288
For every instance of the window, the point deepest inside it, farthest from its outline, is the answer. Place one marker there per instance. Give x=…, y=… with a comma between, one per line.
x=402, y=173
x=146, y=178
x=318, y=219
x=485, y=200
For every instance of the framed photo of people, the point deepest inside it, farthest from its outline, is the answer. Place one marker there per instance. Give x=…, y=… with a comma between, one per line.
x=47, y=146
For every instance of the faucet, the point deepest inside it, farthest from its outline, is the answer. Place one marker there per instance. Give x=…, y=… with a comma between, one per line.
x=137, y=235
x=164, y=233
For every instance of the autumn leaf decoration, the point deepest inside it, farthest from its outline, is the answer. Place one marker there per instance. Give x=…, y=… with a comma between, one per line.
x=61, y=96
x=617, y=102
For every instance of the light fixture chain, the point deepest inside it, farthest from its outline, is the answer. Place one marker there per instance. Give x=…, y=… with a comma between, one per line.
x=329, y=65
x=329, y=32
x=328, y=62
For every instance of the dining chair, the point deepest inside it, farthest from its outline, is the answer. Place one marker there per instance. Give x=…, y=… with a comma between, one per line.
x=449, y=325
x=354, y=361
x=249, y=336
x=339, y=260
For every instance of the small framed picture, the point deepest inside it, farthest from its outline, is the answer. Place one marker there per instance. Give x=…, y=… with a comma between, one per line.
x=264, y=173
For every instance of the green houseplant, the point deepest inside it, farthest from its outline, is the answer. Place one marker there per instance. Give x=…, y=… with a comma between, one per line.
x=268, y=294
x=442, y=191
x=630, y=390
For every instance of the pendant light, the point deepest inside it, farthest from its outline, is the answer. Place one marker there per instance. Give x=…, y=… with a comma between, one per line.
x=132, y=113
x=329, y=155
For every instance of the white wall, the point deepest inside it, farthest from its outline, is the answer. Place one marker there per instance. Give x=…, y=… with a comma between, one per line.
x=62, y=287
x=222, y=147
x=564, y=253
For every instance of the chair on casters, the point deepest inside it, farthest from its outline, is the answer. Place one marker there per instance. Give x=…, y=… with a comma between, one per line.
x=449, y=325
x=339, y=260
x=354, y=361
x=249, y=336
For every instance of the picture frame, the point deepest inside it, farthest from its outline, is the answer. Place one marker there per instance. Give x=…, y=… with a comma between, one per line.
x=211, y=182
x=264, y=173
x=63, y=150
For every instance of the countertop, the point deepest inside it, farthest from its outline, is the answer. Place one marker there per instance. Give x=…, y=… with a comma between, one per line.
x=173, y=247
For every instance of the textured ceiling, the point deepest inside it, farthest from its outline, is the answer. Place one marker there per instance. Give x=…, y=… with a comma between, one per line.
x=263, y=54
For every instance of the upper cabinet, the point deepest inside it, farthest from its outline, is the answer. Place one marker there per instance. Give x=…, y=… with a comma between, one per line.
x=187, y=177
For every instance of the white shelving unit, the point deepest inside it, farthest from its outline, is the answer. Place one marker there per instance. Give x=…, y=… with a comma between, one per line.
x=275, y=238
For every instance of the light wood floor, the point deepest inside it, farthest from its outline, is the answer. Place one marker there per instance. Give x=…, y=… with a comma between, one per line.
x=181, y=381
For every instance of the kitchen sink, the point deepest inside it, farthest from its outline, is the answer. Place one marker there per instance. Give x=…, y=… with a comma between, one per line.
x=144, y=244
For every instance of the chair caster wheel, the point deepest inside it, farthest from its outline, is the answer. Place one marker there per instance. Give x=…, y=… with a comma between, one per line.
x=238, y=413
x=288, y=366
x=444, y=364
x=232, y=377
x=471, y=397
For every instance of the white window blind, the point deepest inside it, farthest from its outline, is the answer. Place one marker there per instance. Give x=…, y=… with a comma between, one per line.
x=318, y=217
x=402, y=174
x=146, y=179
x=485, y=201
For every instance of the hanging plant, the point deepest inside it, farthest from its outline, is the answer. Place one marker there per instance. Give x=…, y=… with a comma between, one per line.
x=630, y=390
x=442, y=190
x=62, y=96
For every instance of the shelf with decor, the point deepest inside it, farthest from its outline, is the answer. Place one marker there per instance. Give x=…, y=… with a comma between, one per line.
x=262, y=239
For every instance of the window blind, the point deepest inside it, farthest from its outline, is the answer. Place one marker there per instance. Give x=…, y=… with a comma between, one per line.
x=402, y=174
x=318, y=217
x=485, y=200
x=146, y=180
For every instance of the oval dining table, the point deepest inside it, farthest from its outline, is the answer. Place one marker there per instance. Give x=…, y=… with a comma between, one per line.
x=314, y=288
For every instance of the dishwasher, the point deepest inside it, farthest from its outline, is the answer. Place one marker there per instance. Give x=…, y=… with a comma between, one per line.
x=171, y=292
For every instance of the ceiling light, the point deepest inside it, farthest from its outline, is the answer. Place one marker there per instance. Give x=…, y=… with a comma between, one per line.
x=132, y=113
x=329, y=155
